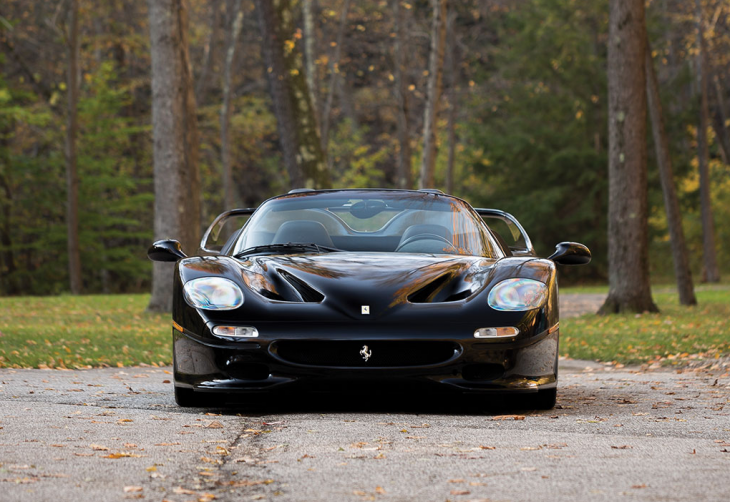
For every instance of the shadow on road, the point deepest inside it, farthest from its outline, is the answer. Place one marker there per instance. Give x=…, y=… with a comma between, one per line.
x=414, y=403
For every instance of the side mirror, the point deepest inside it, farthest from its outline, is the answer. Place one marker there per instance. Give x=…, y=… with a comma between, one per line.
x=571, y=253
x=166, y=250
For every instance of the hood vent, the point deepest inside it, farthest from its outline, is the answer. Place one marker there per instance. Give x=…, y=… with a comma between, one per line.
x=306, y=292
x=440, y=290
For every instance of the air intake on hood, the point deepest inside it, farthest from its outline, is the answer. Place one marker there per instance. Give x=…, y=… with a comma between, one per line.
x=440, y=290
x=306, y=292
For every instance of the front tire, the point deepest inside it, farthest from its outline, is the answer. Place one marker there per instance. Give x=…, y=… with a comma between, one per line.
x=188, y=398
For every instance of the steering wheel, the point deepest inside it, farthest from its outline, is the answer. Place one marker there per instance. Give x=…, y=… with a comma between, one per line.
x=423, y=237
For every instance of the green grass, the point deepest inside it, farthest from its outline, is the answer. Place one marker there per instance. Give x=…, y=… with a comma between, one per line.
x=97, y=331
x=82, y=331
x=677, y=335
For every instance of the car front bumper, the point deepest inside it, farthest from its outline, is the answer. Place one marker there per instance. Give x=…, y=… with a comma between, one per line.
x=400, y=358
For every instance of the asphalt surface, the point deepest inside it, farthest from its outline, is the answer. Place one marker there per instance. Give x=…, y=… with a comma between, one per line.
x=116, y=434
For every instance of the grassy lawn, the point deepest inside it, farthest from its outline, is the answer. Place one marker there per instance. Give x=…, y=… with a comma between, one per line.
x=675, y=336
x=114, y=330
x=82, y=331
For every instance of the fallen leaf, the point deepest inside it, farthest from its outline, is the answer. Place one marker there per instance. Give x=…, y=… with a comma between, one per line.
x=509, y=417
x=183, y=491
x=622, y=447
x=380, y=490
x=637, y=487
x=460, y=492
x=457, y=480
x=121, y=454
x=488, y=447
x=214, y=425
x=98, y=447
x=246, y=482
x=131, y=489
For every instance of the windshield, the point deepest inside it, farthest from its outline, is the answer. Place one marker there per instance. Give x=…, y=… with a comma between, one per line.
x=405, y=222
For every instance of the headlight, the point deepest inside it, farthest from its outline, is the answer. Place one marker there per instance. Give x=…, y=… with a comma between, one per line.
x=518, y=294
x=213, y=293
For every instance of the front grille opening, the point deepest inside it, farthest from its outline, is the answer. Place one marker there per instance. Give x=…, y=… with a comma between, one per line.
x=248, y=371
x=477, y=372
x=353, y=354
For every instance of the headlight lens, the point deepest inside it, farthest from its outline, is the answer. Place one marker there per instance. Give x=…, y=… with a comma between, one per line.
x=213, y=293
x=518, y=294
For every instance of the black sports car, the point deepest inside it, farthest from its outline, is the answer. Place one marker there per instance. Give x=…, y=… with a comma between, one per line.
x=344, y=289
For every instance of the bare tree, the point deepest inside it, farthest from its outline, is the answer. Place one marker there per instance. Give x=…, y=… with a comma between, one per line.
x=628, y=254
x=310, y=55
x=682, y=272
x=334, y=72
x=403, y=172
x=208, y=49
x=236, y=23
x=451, y=128
x=712, y=272
x=295, y=120
x=175, y=133
x=72, y=127
x=435, y=83
x=719, y=121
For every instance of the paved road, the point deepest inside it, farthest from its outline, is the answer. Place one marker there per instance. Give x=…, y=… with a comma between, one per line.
x=115, y=434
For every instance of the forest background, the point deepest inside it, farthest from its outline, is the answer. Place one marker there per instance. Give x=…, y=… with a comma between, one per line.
x=521, y=124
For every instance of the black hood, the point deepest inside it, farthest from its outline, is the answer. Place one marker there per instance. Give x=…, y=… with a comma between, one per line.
x=376, y=280
x=345, y=282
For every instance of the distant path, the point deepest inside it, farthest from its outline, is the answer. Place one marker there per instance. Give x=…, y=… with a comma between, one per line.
x=575, y=304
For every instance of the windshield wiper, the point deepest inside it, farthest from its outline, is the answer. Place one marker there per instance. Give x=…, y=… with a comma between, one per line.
x=289, y=246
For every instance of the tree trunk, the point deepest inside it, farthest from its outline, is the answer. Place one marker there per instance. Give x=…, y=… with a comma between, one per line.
x=175, y=133
x=628, y=253
x=334, y=72
x=435, y=78
x=682, y=271
x=310, y=55
x=236, y=16
x=720, y=123
x=712, y=273
x=404, y=170
x=8, y=266
x=451, y=35
x=202, y=86
x=72, y=178
x=298, y=134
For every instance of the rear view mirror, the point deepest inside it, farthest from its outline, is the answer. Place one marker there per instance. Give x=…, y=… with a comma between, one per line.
x=571, y=253
x=166, y=250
